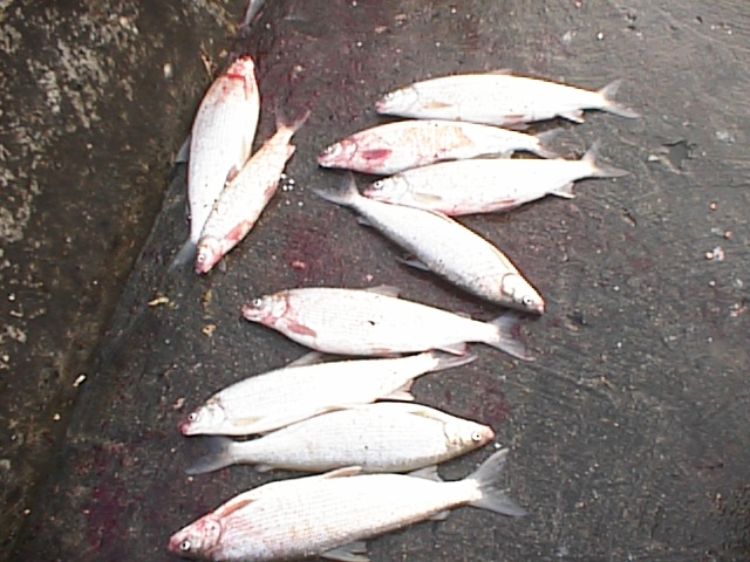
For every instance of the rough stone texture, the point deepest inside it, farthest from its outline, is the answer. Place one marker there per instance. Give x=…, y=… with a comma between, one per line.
x=629, y=433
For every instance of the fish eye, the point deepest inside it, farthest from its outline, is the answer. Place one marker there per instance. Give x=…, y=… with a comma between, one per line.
x=257, y=303
x=376, y=185
x=527, y=301
x=192, y=417
x=331, y=149
x=185, y=545
x=476, y=437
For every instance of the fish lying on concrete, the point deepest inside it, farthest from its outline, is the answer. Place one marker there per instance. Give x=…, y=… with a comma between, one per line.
x=220, y=143
x=487, y=185
x=330, y=514
x=243, y=199
x=364, y=322
x=446, y=247
x=498, y=98
x=395, y=147
x=380, y=437
x=278, y=398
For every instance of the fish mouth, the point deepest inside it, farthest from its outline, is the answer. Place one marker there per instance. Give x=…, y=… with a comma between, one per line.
x=184, y=427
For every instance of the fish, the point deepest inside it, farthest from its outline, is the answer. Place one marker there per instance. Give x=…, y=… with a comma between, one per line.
x=253, y=7
x=330, y=514
x=498, y=98
x=377, y=322
x=221, y=139
x=277, y=398
x=445, y=247
x=243, y=199
x=380, y=437
x=395, y=147
x=488, y=185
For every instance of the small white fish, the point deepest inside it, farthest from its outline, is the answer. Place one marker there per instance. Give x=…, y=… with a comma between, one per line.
x=445, y=247
x=220, y=143
x=244, y=198
x=498, y=98
x=487, y=185
x=277, y=398
x=363, y=322
x=381, y=437
x=328, y=515
x=394, y=147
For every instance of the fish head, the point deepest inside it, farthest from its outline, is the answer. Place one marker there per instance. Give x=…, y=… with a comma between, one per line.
x=206, y=419
x=198, y=540
x=209, y=253
x=338, y=154
x=398, y=101
x=521, y=294
x=267, y=309
x=392, y=189
x=466, y=435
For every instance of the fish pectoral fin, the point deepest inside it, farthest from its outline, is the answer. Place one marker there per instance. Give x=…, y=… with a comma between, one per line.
x=575, y=115
x=455, y=348
x=402, y=393
x=501, y=71
x=352, y=552
x=413, y=262
x=342, y=472
x=426, y=198
x=441, y=515
x=564, y=191
x=384, y=290
x=238, y=503
x=312, y=358
x=427, y=473
x=183, y=155
x=264, y=467
x=362, y=221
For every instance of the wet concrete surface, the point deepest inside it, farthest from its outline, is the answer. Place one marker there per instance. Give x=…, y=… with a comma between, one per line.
x=629, y=434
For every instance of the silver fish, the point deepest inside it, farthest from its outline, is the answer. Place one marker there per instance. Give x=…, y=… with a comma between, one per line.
x=277, y=398
x=447, y=248
x=381, y=437
x=220, y=142
x=394, y=147
x=487, y=185
x=498, y=98
x=244, y=198
x=363, y=322
x=329, y=514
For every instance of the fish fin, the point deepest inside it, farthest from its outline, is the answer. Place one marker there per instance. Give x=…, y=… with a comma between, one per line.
x=352, y=552
x=413, y=262
x=608, y=93
x=455, y=348
x=599, y=170
x=217, y=454
x=437, y=104
x=445, y=361
x=427, y=473
x=376, y=153
x=499, y=155
x=501, y=71
x=564, y=191
x=301, y=329
x=514, y=122
x=441, y=515
x=235, y=504
x=233, y=172
x=426, y=198
x=264, y=467
x=183, y=155
x=253, y=7
x=346, y=194
x=342, y=472
x=312, y=358
x=364, y=222
x=544, y=140
x=184, y=256
x=294, y=125
x=575, y=115
x=493, y=498
x=402, y=393
x=507, y=336
x=384, y=290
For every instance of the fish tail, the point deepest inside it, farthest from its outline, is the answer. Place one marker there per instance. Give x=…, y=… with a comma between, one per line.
x=493, y=498
x=217, y=454
x=544, y=139
x=507, y=336
x=598, y=169
x=184, y=256
x=446, y=361
x=283, y=121
x=346, y=194
x=608, y=93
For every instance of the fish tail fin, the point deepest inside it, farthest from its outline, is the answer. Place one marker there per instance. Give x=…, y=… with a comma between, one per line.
x=507, y=337
x=598, y=169
x=283, y=121
x=493, y=498
x=608, y=93
x=184, y=256
x=346, y=194
x=445, y=361
x=217, y=454
x=542, y=149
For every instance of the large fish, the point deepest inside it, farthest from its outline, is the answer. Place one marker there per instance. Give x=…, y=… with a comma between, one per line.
x=381, y=437
x=277, y=398
x=244, y=198
x=487, y=185
x=498, y=98
x=445, y=247
x=394, y=147
x=220, y=143
x=328, y=515
x=363, y=322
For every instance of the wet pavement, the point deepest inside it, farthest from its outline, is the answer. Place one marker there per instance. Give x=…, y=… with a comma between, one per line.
x=629, y=434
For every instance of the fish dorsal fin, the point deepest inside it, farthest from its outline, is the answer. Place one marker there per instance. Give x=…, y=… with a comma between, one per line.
x=428, y=413
x=342, y=472
x=501, y=71
x=427, y=473
x=384, y=290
